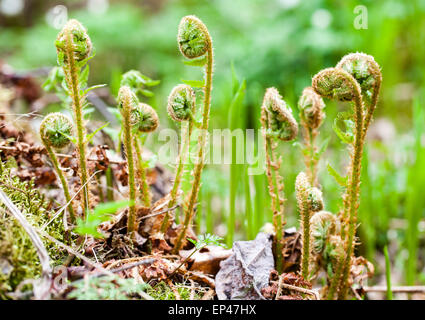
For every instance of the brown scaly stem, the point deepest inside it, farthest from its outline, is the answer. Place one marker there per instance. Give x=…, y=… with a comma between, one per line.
x=353, y=193
x=309, y=200
x=192, y=30
x=64, y=183
x=141, y=172
x=71, y=71
x=277, y=122
x=305, y=220
x=311, y=116
x=311, y=163
x=367, y=74
x=126, y=103
x=335, y=279
x=274, y=188
x=181, y=161
x=189, y=212
x=339, y=84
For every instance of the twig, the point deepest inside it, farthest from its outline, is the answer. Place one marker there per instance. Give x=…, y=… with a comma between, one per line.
x=192, y=290
x=78, y=255
x=279, y=287
x=131, y=266
x=173, y=288
x=208, y=295
x=299, y=289
x=395, y=289
x=61, y=155
x=158, y=213
x=66, y=205
x=43, y=291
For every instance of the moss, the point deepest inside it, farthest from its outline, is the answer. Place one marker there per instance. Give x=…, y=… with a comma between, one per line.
x=162, y=291
x=18, y=257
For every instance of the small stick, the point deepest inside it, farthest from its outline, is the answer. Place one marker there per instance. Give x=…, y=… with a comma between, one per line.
x=299, y=289
x=395, y=289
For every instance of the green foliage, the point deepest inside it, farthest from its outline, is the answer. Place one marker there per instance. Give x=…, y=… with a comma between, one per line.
x=162, y=291
x=138, y=82
x=207, y=240
x=388, y=274
x=346, y=136
x=102, y=213
x=106, y=288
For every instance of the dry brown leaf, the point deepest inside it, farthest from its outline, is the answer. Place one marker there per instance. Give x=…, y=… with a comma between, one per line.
x=206, y=260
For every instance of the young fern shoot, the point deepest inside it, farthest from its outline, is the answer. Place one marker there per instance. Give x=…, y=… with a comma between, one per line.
x=309, y=201
x=311, y=117
x=368, y=74
x=181, y=107
x=144, y=119
x=55, y=130
x=74, y=49
x=195, y=42
x=277, y=123
x=137, y=117
x=336, y=83
x=127, y=101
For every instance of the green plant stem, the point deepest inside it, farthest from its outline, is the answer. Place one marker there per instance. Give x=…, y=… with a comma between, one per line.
x=185, y=260
x=388, y=274
x=372, y=107
x=353, y=192
x=311, y=161
x=99, y=187
x=335, y=279
x=59, y=172
x=186, y=134
x=128, y=144
x=248, y=207
x=202, y=144
x=73, y=84
x=109, y=185
x=271, y=171
x=305, y=216
x=141, y=172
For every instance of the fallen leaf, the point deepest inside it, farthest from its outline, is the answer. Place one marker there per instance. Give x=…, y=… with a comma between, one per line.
x=247, y=270
x=206, y=260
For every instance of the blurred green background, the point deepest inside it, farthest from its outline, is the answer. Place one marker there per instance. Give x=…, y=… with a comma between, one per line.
x=280, y=43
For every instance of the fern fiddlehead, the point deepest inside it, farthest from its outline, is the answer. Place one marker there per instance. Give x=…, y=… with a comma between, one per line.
x=181, y=107
x=73, y=49
x=195, y=41
x=55, y=130
x=277, y=123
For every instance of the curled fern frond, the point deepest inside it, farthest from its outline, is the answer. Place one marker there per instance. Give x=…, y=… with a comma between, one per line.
x=125, y=94
x=55, y=130
x=336, y=83
x=181, y=103
x=138, y=82
x=73, y=36
x=143, y=118
x=315, y=199
x=311, y=106
x=193, y=37
x=281, y=122
x=363, y=68
x=323, y=225
x=335, y=249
